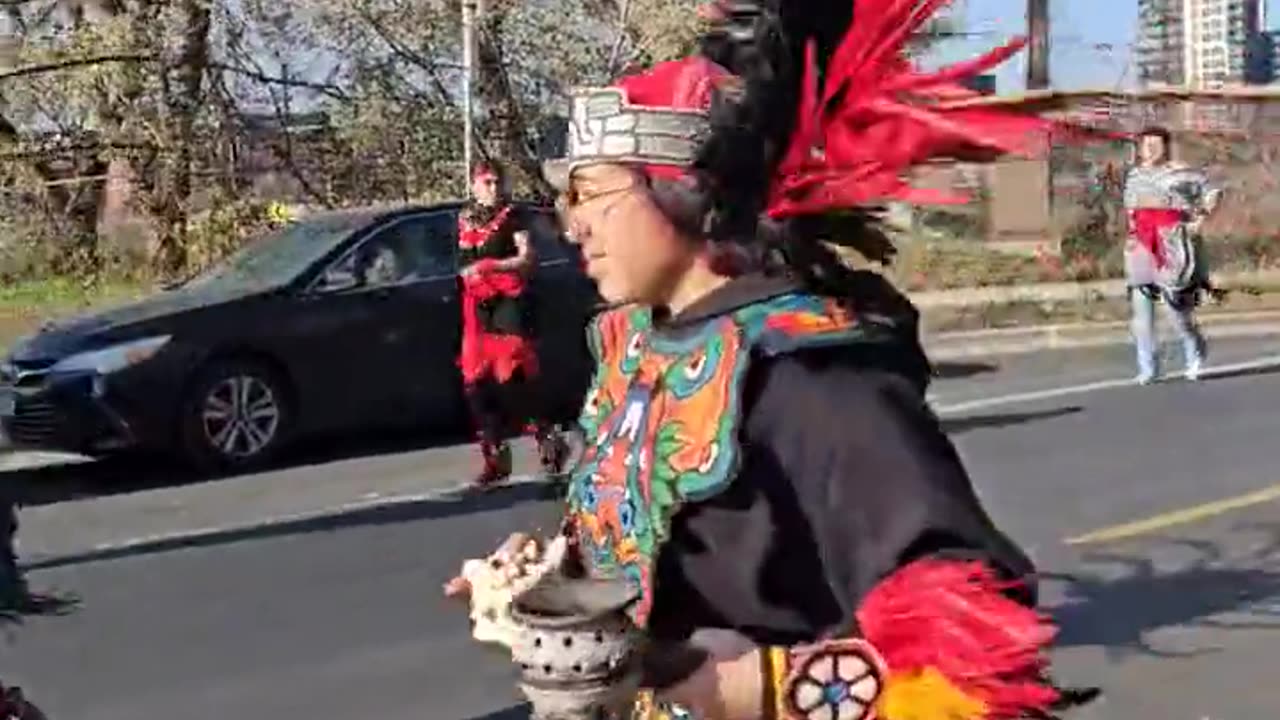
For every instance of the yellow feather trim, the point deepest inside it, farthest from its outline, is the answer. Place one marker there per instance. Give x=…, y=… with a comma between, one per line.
x=926, y=695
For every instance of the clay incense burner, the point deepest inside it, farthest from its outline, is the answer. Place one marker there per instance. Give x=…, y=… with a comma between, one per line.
x=577, y=649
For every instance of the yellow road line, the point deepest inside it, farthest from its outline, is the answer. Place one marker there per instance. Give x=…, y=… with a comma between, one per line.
x=1177, y=517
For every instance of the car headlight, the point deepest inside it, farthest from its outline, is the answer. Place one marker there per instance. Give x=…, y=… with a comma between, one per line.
x=113, y=358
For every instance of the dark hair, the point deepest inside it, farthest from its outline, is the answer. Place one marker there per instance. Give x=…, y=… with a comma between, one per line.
x=762, y=43
x=1157, y=131
x=489, y=167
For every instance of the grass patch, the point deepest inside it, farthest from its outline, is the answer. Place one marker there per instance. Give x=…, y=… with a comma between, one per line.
x=65, y=293
x=26, y=305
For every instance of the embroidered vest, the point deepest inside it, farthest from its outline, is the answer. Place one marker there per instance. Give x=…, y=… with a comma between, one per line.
x=661, y=421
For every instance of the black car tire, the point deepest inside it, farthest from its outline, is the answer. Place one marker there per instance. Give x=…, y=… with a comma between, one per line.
x=235, y=416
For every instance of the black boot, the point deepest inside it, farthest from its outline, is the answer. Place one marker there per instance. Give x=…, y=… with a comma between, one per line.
x=553, y=450
x=13, y=587
x=497, y=464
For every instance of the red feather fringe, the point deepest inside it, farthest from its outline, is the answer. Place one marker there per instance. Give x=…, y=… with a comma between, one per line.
x=953, y=617
x=491, y=354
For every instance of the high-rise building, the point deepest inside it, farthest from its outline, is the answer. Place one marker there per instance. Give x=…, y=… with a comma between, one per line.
x=1161, y=39
x=1201, y=43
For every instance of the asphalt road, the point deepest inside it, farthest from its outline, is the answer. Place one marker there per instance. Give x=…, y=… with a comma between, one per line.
x=343, y=618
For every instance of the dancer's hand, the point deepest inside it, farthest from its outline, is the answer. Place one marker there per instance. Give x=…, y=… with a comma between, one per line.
x=491, y=585
x=722, y=688
x=512, y=560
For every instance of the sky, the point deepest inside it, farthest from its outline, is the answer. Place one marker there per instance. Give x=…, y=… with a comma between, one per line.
x=1090, y=40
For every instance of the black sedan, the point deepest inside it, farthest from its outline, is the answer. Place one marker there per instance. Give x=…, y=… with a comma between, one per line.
x=339, y=322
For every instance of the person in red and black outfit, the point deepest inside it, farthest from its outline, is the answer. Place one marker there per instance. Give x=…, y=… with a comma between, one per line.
x=499, y=362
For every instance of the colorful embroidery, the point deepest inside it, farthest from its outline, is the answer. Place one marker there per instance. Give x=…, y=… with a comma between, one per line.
x=837, y=680
x=661, y=421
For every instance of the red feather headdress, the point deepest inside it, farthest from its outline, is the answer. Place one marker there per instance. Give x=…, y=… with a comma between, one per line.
x=874, y=117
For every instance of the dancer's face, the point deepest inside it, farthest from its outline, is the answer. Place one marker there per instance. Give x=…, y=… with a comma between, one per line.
x=485, y=188
x=1152, y=150
x=632, y=250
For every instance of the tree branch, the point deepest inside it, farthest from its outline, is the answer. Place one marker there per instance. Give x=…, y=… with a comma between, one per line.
x=432, y=69
x=72, y=63
x=615, y=54
x=149, y=58
x=326, y=89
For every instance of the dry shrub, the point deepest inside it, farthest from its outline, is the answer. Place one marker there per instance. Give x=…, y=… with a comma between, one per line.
x=224, y=229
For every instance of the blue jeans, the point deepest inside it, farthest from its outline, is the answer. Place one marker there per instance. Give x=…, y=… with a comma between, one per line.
x=1145, y=341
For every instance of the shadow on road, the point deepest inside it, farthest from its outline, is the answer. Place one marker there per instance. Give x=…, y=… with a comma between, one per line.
x=515, y=712
x=1120, y=612
x=944, y=370
x=53, y=484
x=17, y=601
x=955, y=426
x=1251, y=372
x=448, y=505
x=38, y=604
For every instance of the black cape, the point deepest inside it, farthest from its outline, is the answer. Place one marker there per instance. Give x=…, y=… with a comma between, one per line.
x=846, y=476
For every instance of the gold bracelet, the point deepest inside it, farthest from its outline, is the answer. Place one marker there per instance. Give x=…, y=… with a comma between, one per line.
x=775, y=667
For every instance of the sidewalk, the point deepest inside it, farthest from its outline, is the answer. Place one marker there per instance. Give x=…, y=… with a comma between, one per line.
x=1065, y=291
x=1007, y=341
x=1022, y=305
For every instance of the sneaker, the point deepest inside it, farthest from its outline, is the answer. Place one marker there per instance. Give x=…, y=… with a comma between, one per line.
x=1144, y=378
x=1194, y=370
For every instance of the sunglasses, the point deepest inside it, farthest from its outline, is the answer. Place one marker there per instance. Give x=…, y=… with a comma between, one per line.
x=573, y=198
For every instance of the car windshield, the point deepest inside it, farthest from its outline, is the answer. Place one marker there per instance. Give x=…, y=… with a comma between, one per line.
x=280, y=256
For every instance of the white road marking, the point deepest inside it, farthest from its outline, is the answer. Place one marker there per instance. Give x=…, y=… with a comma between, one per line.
x=1049, y=393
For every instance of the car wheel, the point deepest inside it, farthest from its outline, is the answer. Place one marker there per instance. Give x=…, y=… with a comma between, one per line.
x=235, y=416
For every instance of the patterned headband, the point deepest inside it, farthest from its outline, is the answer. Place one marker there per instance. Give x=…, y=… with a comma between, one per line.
x=656, y=119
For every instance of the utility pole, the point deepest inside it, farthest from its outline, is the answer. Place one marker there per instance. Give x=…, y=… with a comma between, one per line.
x=470, y=9
x=1038, y=52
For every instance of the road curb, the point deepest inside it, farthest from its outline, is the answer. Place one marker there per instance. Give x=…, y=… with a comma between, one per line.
x=1013, y=341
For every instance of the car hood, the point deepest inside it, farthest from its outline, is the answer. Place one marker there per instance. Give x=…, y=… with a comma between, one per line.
x=151, y=315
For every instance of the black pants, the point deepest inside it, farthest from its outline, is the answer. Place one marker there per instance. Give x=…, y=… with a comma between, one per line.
x=502, y=410
x=12, y=586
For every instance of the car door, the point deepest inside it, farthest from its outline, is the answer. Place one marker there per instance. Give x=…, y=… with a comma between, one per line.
x=563, y=301
x=433, y=328
x=365, y=323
